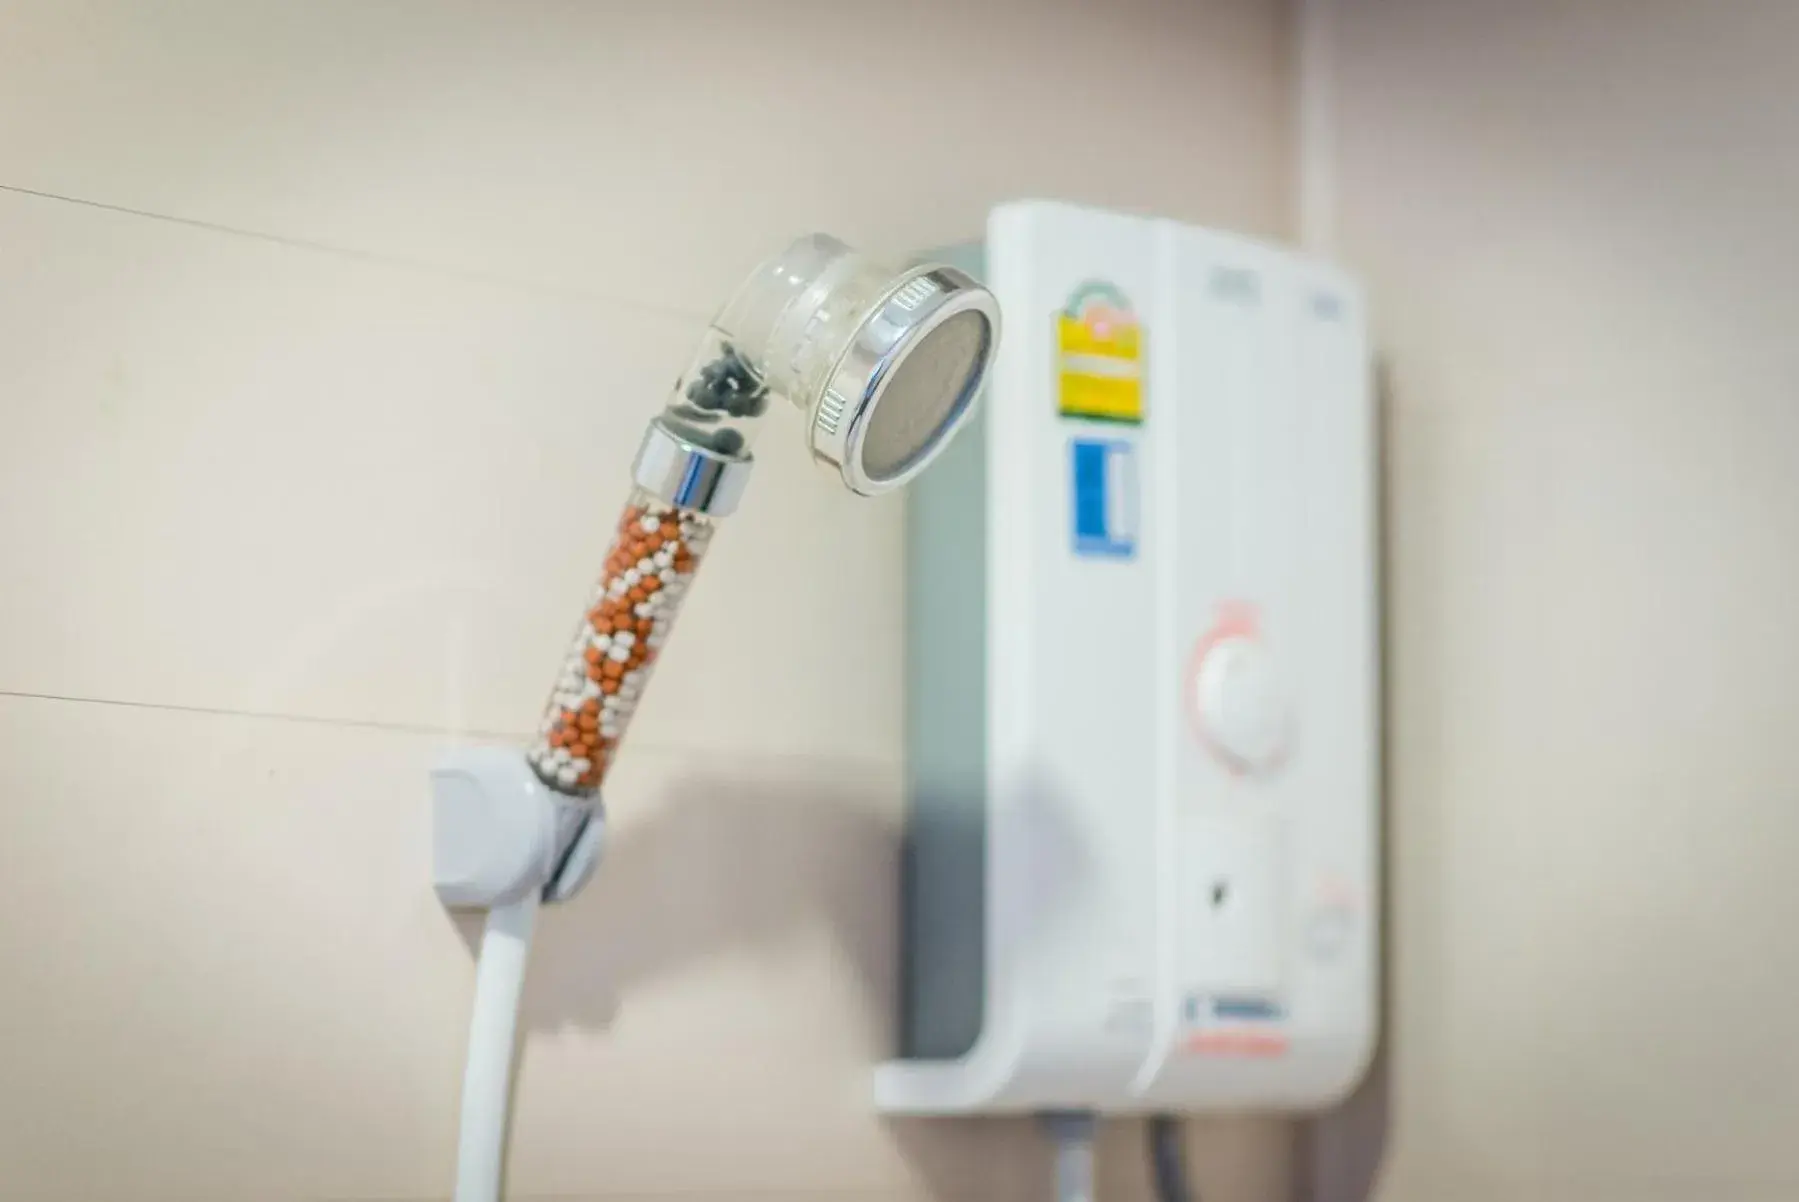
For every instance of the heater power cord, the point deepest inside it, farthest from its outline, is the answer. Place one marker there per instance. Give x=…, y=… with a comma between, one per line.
x=1168, y=1159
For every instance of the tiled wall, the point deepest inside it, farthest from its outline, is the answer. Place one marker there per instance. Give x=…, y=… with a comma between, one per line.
x=326, y=335
x=1579, y=224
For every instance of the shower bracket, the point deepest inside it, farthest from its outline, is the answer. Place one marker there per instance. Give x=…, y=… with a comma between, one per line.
x=498, y=833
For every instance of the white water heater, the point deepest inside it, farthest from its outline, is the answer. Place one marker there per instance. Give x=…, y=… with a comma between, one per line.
x=1141, y=864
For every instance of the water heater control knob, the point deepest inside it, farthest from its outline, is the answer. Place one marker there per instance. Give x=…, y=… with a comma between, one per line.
x=1237, y=699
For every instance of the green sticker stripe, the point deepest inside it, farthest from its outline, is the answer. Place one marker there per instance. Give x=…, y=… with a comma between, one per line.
x=1095, y=289
x=1107, y=419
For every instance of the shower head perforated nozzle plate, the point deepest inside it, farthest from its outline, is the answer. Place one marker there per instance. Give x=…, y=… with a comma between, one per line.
x=907, y=380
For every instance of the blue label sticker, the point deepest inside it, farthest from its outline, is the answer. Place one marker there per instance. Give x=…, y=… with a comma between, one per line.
x=1103, y=489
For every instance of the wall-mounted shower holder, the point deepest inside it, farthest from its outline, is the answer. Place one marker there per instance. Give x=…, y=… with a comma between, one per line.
x=497, y=832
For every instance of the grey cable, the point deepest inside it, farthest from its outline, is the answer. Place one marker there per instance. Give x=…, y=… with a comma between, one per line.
x=1072, y=1133
x=1168, y=1159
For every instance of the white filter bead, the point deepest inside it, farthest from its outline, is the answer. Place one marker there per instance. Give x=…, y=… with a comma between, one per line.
x=625, y=638
x=655, y=641
x=589, y=690
x=567, y=776
x=663, y=556
x=647, y=524
x=668, y=575
x=559, y=757
x=632, y=577
x=645, y=566
x=619, y=654
x=642, y=609
x=617, y=588
x=580, y=765
x=602, y=641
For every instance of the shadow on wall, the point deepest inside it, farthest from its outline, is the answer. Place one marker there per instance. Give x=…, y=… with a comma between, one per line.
x=719, y=866
x=1344, y=1149
x=722, y=865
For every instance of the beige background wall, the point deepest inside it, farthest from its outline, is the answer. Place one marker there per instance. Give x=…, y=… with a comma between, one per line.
x=1579, y=222
x=326, y=333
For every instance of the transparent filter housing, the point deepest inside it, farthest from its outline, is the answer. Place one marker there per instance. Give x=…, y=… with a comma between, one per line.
x=655, y=551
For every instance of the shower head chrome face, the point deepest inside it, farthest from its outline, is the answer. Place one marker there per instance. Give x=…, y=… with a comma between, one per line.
x=906, y=382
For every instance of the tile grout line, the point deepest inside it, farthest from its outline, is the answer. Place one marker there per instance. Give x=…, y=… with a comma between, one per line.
x=376, y=258
x=419, y=728
x=409, y=728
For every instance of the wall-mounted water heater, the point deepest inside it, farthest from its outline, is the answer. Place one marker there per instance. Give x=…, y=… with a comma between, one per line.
x=1142, y=847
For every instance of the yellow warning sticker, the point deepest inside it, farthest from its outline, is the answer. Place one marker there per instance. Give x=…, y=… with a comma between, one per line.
x=1099, y=356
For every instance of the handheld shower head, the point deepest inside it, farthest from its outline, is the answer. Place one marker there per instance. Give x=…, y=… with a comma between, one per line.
x=884, y=364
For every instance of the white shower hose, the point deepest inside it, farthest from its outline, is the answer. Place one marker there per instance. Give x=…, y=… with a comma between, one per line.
x=493, y=1033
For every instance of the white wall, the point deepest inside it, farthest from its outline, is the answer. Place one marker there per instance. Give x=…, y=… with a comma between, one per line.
x=1579, y=224
x=326, y=334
